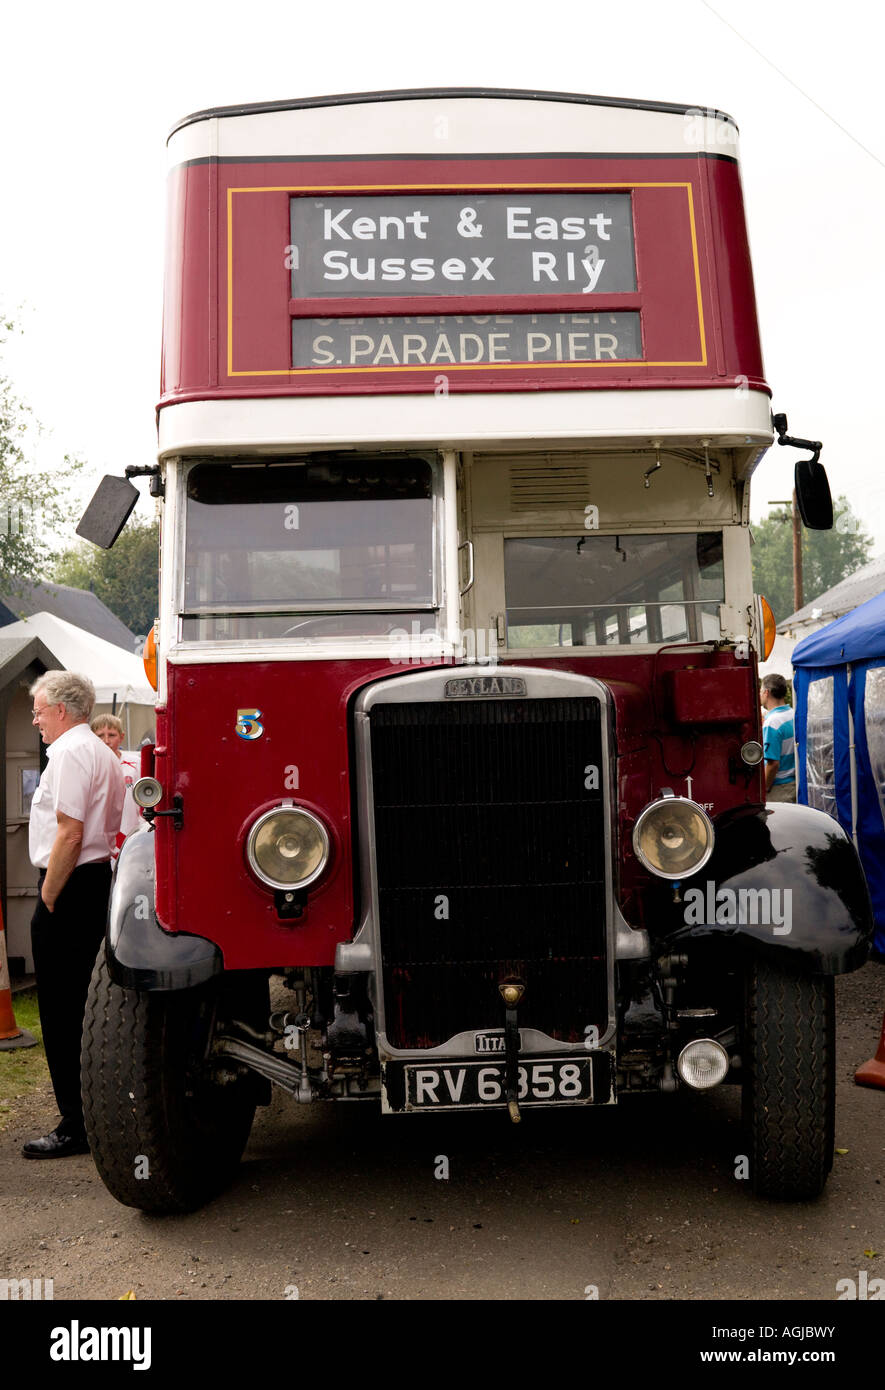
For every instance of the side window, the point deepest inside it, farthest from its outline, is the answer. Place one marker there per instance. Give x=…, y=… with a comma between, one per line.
x=874, y=726
x=600, y=589
x=819, y=757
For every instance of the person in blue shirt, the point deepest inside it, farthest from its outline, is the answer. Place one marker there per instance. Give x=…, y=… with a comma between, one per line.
x=778, y=740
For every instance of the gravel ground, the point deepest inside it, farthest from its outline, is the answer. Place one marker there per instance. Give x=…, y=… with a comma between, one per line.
x=638, y=1201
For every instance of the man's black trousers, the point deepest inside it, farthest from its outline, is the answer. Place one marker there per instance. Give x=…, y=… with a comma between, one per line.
x=65, y=943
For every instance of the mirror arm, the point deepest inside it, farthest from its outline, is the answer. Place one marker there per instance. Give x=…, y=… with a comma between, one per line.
x=156, y=487
x=813, y=444
x=780, y=425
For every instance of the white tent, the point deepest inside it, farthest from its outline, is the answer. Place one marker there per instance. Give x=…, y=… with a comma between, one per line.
x=781, y=660
x=116, y=674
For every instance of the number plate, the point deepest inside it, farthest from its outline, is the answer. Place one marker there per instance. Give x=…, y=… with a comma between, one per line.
x=481, y=1085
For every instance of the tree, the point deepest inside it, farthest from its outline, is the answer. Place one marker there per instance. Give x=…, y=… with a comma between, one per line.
x=827, y=556
x=35, y=505
x=125, y=577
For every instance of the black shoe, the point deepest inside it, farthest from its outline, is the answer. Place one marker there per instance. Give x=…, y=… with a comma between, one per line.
x=55, y=1146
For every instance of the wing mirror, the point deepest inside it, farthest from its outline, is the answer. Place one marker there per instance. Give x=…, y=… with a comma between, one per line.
x=108, y=512
x=112, y=504
x=811, y=482
x=813, y=495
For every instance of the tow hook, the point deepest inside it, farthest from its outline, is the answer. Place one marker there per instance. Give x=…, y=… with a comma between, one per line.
x=511, y=992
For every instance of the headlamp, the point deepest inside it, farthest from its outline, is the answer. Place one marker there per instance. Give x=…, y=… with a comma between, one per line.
x=673, y=837
x=288, y=847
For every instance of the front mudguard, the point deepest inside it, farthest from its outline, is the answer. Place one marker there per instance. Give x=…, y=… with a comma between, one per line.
x=798, y=864
x=140, y=954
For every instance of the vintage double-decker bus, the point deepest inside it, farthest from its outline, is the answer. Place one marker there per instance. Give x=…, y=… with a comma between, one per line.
x=458, y=732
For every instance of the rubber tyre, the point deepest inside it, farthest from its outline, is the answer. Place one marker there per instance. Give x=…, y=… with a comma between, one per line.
x=789, y=1089
x=164, y=1137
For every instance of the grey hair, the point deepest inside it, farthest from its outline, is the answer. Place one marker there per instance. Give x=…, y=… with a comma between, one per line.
x=76, y=693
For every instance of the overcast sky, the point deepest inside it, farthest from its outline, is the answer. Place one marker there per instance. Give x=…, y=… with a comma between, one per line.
x=90, y=91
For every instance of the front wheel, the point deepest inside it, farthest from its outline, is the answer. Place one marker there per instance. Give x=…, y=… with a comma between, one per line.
x=165, y=1135
x=789, y=1090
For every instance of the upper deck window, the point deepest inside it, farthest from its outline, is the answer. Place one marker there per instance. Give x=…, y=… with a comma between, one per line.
x=315, y=548
x=596, y=590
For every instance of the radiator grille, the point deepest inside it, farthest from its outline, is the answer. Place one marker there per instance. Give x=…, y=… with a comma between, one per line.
x=490, y=862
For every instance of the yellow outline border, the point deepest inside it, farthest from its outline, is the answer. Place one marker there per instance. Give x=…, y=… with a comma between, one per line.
x=448, y=187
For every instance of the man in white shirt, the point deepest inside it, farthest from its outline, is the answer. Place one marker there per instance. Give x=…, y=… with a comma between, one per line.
x=75, y=816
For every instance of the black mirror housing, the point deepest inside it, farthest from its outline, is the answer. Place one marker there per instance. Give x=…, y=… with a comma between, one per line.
x=108, y=512
x=813, y=495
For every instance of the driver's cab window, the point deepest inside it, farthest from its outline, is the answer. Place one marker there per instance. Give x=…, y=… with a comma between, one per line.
x=312, y=547
x=606, y=590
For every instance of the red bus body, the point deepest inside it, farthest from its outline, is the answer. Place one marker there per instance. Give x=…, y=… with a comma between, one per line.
x=458, y=725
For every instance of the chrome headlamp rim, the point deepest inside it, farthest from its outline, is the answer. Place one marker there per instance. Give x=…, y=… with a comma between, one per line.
x=654, y=806
x=147, y=792
x=256, y=869
x=686, y=1055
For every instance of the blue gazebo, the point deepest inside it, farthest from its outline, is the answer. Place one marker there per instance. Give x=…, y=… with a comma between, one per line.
x=839, y=685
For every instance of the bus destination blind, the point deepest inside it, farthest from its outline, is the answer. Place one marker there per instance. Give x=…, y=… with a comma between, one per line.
x=465, y=339
x=384, y=247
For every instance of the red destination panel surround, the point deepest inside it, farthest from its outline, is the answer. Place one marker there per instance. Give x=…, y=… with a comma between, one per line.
x=229, y=310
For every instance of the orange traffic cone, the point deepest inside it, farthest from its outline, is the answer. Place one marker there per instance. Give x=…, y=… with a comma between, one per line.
x=872, y=1073
x=10, y=1033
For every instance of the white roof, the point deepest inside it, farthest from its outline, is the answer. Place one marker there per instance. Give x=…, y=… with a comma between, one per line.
x=780, y=663
x=856, y=588
x=473, y=121
x=113, y=671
